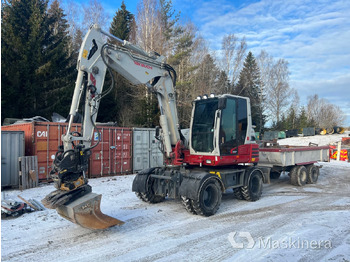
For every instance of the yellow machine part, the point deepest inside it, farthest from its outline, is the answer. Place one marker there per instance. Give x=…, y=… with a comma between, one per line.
x=323, y=131
x=86, y=212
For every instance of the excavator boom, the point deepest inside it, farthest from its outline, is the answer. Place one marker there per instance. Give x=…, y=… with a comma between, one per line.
x=73, y=198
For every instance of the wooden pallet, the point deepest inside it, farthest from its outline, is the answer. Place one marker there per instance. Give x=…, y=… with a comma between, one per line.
x=28, y=172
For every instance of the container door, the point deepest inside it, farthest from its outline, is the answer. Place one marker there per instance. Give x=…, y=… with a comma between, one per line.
x=141, y=150
x=123, y=144
x=156, y=156
x=12, y=147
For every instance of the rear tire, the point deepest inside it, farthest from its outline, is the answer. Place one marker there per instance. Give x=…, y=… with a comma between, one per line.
x=237, y=192
x=253, y=191
x=312, y=174
x=150, y=196
x=209, y=198
x=188, y=205
x=298, y=176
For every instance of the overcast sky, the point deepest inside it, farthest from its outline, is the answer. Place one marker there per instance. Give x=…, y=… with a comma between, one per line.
x=313, y=36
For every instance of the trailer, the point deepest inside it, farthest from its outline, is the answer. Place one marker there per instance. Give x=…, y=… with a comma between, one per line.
x=299, y=161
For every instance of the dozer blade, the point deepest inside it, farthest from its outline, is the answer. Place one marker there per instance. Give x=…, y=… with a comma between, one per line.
x=85, y=211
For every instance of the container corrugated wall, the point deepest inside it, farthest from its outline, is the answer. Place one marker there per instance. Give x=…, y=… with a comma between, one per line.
x=146, y=152
x=12, y=147
x=113, y=154
x=111, y=157
x=309, y=131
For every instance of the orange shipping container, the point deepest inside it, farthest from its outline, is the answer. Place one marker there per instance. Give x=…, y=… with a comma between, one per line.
x=111, y=157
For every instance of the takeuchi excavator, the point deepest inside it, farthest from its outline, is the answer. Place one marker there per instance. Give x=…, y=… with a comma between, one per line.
x=219, y=154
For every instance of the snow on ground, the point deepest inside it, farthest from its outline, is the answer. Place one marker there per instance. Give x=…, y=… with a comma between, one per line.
x=321, y=140
x=288, y=223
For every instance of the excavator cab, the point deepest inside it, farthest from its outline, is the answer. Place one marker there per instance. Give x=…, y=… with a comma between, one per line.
x=221, y=127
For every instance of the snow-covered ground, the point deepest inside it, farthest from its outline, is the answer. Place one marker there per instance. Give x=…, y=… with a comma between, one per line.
x=288, y=223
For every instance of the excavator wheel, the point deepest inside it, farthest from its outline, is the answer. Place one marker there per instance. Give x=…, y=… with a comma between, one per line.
x=150, y=196
x=85, y=211
x=188, y=205
x=253, y=190
x=237, y=193
x=209, y=198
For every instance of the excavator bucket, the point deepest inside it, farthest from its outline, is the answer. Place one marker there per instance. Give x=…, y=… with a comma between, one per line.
x=85, y=211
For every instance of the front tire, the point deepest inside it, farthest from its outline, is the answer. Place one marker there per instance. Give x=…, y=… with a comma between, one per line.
x=209, y=198
x=253, y=191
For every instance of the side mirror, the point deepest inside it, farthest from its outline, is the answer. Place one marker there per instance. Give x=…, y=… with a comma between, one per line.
x=157, y=131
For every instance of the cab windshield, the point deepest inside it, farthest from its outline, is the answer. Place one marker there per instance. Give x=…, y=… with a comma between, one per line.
x=203, y=125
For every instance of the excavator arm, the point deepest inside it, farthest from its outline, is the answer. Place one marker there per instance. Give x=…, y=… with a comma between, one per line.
x=73, y=198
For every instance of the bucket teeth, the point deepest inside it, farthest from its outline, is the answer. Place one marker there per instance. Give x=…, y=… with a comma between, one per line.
x=85, y=211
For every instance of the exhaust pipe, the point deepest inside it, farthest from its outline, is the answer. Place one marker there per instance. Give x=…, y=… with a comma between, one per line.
x=86, y=212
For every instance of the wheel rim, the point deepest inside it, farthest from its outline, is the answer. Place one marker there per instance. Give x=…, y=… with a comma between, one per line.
x=209, y=196
x=303, y=176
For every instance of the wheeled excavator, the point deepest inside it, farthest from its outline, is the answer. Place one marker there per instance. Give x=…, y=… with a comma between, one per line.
x=219, y=154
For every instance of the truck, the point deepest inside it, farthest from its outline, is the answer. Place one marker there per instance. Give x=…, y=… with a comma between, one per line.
x=220, y=153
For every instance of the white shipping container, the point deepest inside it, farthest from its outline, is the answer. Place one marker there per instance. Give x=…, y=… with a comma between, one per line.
x=146, y=149
x=12, y=147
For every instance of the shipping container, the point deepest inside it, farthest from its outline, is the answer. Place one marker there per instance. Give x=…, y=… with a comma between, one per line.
x=292, y=133
x=281, y=135
x=270, y=135
x=12, y=147
x=309, y=131
x=146, y=149
x=112, y=156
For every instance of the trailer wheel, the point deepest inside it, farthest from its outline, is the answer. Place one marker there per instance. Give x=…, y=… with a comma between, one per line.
x=209, y=198
x=312, y=174
x=298, y=176
x=253, y=191
x=237, y=192
x=188, y=205
x=150, y=196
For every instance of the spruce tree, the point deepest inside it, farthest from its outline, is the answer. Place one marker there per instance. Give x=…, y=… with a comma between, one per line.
x=36, y=69
x=248, y=86
x=122, y=24
x=57, y=73
x=116, y=102
x=23, y=39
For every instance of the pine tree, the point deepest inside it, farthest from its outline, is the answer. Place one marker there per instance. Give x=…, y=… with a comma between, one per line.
x=120, y=100
x=23, y=38
x=184, y=65
x=36, y=69
x=248, y=86
x=302, y=119
x=57, y=72
x=122, y=24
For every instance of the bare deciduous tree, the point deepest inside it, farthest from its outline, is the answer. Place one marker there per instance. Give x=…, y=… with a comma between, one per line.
x=148, y=25
x=278, y=92
x=94, y=13
x=233, y=54
x=323, y=114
